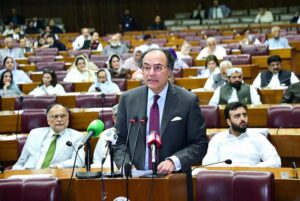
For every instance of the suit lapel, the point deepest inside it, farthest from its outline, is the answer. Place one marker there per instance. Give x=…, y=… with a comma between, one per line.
x=170, y=105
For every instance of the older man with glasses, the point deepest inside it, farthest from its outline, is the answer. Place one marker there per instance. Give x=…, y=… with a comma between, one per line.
x=46, y=147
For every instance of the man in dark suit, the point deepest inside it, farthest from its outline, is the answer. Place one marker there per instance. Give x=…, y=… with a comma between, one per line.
x=182, y=127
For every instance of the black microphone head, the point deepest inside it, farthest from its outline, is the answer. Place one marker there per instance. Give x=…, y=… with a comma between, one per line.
x=2, y=169
x=68, y=143
x=228, y=161
x=144, y=120
x=102, y=95
x=133, y=120
x=294, y=165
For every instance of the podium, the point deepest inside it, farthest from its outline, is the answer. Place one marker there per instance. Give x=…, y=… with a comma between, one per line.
x=170, y=188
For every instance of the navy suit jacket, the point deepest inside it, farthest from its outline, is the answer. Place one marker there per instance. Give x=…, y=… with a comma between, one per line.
x=185, y=138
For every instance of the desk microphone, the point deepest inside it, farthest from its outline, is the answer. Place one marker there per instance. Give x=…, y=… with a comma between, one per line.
x=295, y=170
x=154, y=142
x=227, y=161
x=142, y=121
x=70, y=144
x=132, y=122
x=20, y=102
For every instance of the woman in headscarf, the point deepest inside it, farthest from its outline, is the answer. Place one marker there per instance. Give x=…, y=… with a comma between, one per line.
x=19, y=76
x=49, y=85
x=81, y=72
x=115, y=67
x=7, y=88
x=104, y=84
x=132, y=63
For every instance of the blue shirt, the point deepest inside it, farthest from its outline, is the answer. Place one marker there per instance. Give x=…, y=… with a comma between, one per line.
x=277, y=43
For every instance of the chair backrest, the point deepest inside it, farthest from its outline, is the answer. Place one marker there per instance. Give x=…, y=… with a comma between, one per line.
x=75, y=53
x=211, y=116
x=33, y=118
x=38, y=189
x=35, y=102
x=36, y=59
x=280, y=117
x=106, y=116
x=96, y=57
x=215, y=185
x=55, y=65
x=296, y=116
x=101, y=100
x=99, y=63
x=68, y=86
x=238, y=59
x=255, y=50
x=45, y=51
x=121, y=82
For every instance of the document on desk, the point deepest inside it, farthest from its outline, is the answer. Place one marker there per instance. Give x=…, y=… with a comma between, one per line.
x=140, y=173
x=30, y=176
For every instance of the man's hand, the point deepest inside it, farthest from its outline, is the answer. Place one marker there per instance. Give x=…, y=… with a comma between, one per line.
x=166, y=167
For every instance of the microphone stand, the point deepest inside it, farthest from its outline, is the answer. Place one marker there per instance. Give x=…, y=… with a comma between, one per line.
x=20, y=101
x=111, y=153
x=88, y=174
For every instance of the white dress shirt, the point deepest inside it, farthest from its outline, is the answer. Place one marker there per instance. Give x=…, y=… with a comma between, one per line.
x=219, y=52
x=275, y=82
x=248, y=149
x=50, y=90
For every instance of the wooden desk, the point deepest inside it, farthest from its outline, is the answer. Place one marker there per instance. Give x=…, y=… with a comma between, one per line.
x=169, y=188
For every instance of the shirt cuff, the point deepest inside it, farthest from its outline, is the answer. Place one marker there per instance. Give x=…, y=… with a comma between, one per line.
x=176, y=162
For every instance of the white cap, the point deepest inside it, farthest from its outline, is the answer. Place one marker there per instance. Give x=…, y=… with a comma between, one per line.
x=233, y=70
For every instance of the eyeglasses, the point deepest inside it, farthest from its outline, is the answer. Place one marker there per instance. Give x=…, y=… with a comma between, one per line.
x=156, y=69
x=56, y=116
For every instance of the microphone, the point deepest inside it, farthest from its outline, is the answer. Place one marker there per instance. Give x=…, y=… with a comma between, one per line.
x=154, y=142
x=196, y=169
x=132, y=122
x=142, y=121
x=2, y=169
x=98, y=89
x=70, y=144
x=94, y=129
x=20, y=101
x=294, y=167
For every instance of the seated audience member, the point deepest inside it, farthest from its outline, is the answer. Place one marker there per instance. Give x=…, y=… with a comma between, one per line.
x=38, y=22
x=115, y=46
x=104, y=84
x=10, y=49
x=79, y=41
x=89, y=64
x=132, y=63
x=296, y=17
x=158, y=24
x=115, y=67
x=20, y=76
x=211, y=67
x=46, y=147
x=243, y=147
x=212, y=48
x=179, y=63
x=80, y=72
x=54, y=29
x=7, y=86
x=263, y=16
x=249, y=39
x=277, y=42
x=185, y=50
x=235, y=90
x=41, y=42
x=292, y=94
x=147, y=43
x=218, y=79
x=25, y=45
x=137, y=75
x=275, y=76
x=8, y=29
x=53, y=43
x=30, y=29
x=199, y=13
x=17, y=33
x=94, y=43
x=49, y=85
x=101, y=150
x=218, y=11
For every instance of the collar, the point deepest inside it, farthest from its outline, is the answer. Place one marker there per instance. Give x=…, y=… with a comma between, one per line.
x=162, y=94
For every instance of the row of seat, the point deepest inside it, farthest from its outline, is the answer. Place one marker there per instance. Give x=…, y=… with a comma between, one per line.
x=277, y=117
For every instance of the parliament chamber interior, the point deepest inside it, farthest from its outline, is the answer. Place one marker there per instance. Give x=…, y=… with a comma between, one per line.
x=21, y=113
